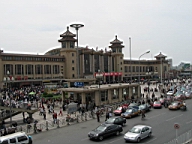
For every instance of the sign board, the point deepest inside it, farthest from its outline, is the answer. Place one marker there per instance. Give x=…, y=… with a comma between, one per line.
x=72, y=107
x=176, y=126
x=78, y=84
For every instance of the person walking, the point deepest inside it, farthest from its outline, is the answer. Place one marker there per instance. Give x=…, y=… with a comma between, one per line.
x=107, y=115
x=44, y=115
x=98, y=116
x=60, y=112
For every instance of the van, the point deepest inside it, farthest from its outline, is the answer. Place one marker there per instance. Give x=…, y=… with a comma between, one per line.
x=16, y=138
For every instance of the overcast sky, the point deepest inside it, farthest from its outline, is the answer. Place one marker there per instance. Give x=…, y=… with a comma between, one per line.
x=34, y=26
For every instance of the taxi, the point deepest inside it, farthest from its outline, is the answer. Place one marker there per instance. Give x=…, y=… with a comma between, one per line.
x=175, y=105
x=130, y=112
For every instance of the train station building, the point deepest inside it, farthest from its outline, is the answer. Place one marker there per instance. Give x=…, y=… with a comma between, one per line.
x=69, y=64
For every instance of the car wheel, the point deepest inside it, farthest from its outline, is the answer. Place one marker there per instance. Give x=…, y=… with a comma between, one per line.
x=149, y=135
x=117, y=133
x=100, y=138
x=138, y=139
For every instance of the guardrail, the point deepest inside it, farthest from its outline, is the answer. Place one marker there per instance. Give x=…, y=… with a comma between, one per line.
x=49, y=124
x=182, y=139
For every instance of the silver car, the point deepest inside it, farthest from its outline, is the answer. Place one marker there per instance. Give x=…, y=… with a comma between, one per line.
x=137, y=133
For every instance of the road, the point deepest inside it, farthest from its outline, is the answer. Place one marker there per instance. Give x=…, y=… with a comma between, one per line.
x=161, y=120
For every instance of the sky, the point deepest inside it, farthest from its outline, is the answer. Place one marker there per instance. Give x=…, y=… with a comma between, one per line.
x=157, y=25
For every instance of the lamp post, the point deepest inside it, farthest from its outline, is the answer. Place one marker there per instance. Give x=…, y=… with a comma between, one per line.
x=77, y=26
x=139, y=62
x=161, y=69
x=10, y=105
x=130, y=58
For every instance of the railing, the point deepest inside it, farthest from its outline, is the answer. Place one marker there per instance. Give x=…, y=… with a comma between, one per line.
x=182, y=139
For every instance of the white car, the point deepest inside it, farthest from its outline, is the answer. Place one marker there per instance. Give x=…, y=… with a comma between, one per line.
x=137, y=133
x=170, y=93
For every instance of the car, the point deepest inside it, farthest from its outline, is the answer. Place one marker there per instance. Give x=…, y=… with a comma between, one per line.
x=120, y=110
x=162, y=100
x=175, y=105
x=170, y=93
x=179, y=96
x=105, y=130
x=134, y=105
x=137, y=133
x=188, y=94
x=130, y=112
x=116, y=120
x=145, y=107
x=157, y=104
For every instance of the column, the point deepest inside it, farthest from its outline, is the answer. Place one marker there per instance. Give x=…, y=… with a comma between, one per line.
x=139, y=91
x=120, y=94
x=109, y=96
x=83, y=99
x=97, y=98
x=130, y=92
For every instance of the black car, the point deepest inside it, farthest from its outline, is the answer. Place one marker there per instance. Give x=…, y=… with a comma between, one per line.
x=116, y=120
x=105, y=130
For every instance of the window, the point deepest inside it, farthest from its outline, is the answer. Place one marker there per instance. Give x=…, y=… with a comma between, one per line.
x=73, y=68
x=4, y=142
x=22, y=138
x=13, y=140
x=71, y=44
x=72, y=54
x=72, y=61
x=73, y=75
x=64, y=45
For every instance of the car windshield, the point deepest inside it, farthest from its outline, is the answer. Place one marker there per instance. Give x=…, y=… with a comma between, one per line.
x=129, y=110
x=100, y=128
x=135, y=130
x=174, y=104
x=111, y=120
x=157, y=102
x=142, y=106
x=119, y=108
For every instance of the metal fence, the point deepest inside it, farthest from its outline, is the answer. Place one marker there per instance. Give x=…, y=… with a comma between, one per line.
x=182, y=139
x=50, y=124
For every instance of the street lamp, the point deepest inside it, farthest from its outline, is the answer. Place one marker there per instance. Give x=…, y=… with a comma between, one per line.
x=139, y=63
x=130, y=58
x=77, y=26
x=10, y=105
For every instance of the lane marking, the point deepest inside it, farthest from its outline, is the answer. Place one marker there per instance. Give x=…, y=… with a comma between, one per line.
x=156, y=116
x=84, y=139
x=116, y=140
x=151, y=140
x=188, y=122
x=174, y=117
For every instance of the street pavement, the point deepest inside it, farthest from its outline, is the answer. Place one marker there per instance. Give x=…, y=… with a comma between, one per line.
x=161, y=120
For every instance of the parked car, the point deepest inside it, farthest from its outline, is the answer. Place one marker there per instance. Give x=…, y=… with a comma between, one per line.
x=188, y=94
x=137, y=133
x=157, y=104
x=130, y=112
x=175, y=105
x=116, y=120
x=105, y=130
x=162, y=100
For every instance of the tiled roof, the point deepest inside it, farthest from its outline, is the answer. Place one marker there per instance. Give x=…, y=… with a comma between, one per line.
x=160, y=55
x=67, y=33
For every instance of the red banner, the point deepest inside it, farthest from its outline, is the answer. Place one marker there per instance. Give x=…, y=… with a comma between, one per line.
x=110, y=74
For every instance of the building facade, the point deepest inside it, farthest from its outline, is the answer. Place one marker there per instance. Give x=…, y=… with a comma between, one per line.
x=62, y=64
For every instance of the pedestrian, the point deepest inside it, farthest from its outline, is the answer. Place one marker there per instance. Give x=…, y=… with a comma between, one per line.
x=54, y=117
x=107, y=115
x=98, y=116
x=60, y=112
x=44, y=115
